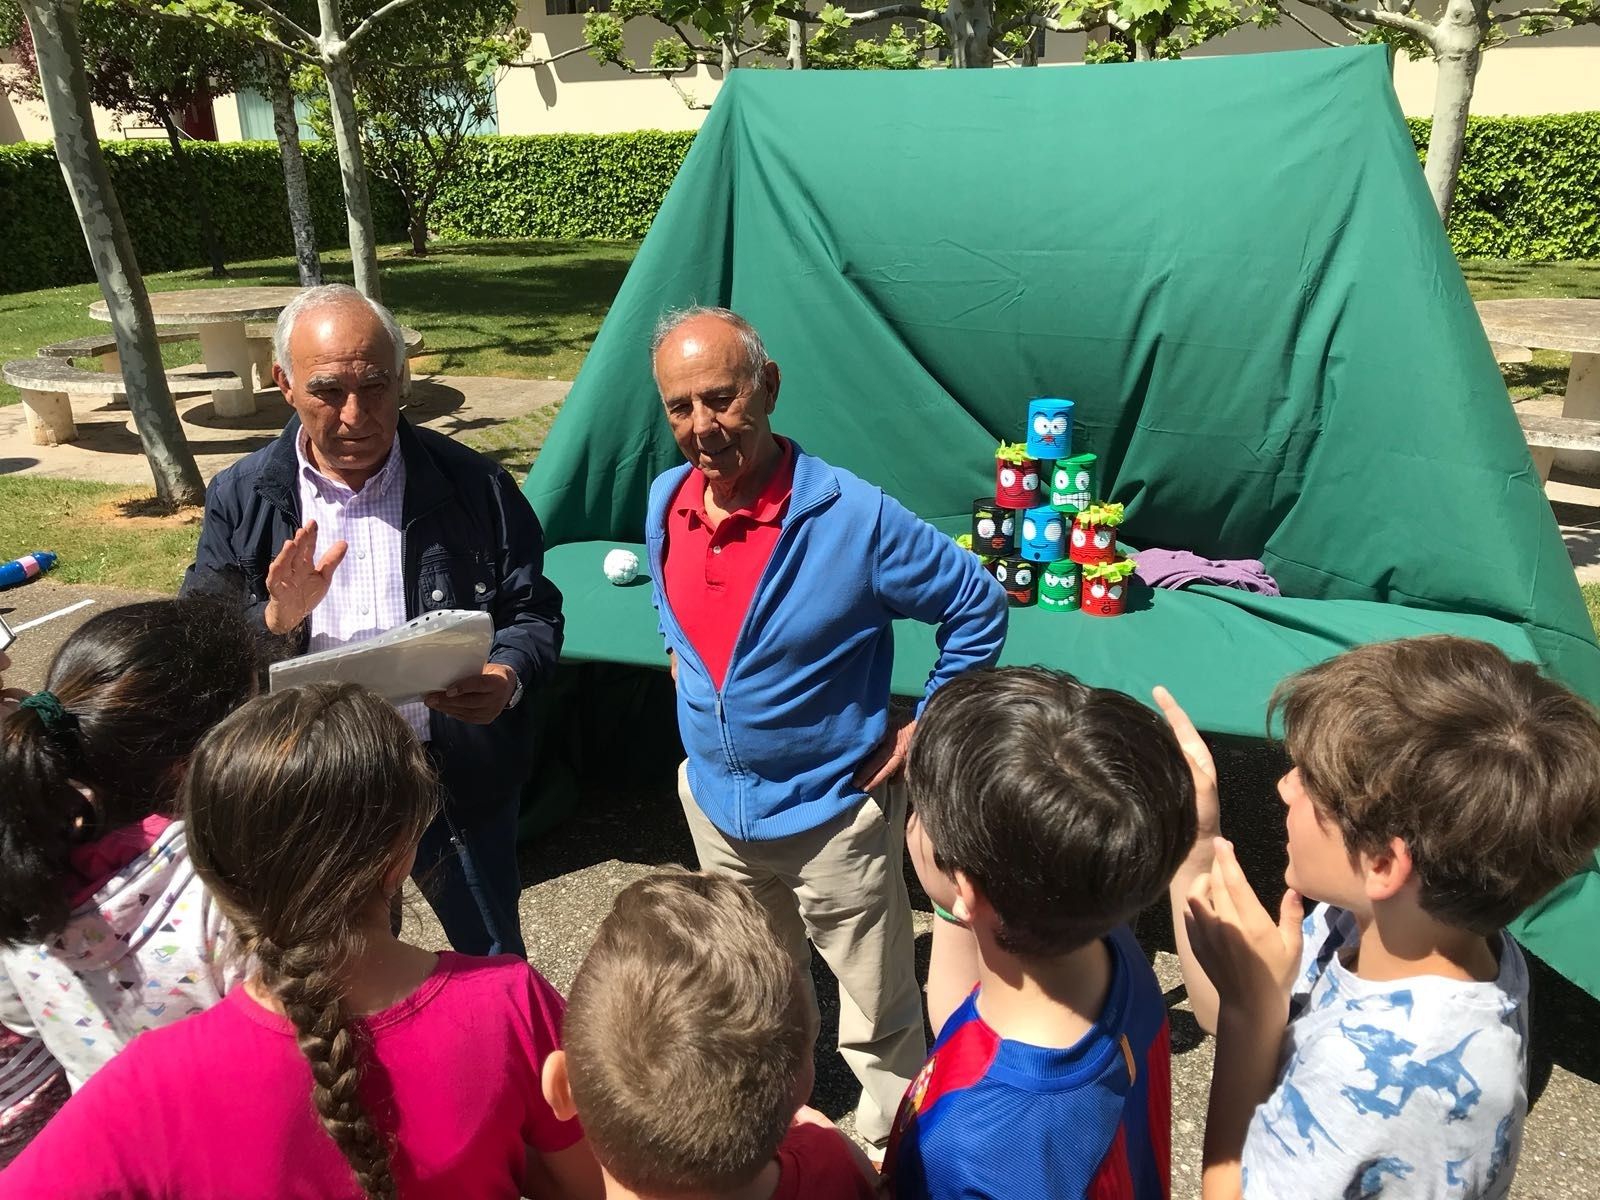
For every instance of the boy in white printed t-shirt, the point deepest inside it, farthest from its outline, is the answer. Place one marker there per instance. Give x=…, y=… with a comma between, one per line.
x=1378, y=1045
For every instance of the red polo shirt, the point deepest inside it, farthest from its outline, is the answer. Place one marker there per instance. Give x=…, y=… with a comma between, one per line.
x=711, y=575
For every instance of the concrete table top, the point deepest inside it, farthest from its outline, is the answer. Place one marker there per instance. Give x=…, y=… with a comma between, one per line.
x=211, y=306
x=1572, y=325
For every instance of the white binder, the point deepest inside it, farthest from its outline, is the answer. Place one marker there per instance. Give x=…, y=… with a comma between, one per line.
x=424, y=655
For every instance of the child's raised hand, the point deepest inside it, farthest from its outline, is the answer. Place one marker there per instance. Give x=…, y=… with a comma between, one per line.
x=1202, y=768
x=1250, y=958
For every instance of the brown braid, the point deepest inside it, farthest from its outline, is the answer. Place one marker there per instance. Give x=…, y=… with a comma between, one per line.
x=298, y=808
x=308, y=989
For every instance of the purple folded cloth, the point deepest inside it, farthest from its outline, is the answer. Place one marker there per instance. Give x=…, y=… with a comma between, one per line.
x=1179, y=568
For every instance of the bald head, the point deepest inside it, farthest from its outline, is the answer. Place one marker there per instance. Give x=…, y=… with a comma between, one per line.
x=703, y=323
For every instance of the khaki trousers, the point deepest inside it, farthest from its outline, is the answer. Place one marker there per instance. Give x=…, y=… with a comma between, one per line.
x=842, y=888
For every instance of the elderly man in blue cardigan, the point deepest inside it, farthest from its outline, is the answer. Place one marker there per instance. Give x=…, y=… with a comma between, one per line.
x=777, y=578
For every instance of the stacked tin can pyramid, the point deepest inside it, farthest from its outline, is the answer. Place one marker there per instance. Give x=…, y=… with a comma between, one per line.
x=1041, y=534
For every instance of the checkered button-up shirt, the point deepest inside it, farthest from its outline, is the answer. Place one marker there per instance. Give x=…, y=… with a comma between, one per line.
x=368, y=593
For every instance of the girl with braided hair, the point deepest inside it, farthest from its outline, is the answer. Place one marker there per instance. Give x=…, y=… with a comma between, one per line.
x=105, y=931
x=350, y=1064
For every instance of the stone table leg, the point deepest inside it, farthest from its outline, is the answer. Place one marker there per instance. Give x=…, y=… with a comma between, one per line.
x=261, y=350
x=1583, y=400
x=111, y=364
x=49, y=417
x=224, y=347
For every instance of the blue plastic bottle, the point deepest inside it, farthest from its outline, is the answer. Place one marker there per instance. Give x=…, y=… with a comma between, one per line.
x=29, y=566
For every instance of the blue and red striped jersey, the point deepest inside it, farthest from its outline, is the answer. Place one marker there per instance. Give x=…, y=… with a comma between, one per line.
x=992, y=1119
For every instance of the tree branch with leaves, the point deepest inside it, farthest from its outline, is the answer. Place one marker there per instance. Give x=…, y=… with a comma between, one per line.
x=1456, y=40
x=288, y=30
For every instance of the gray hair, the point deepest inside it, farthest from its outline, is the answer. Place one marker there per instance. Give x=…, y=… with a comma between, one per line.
x=755, y=351
x=332, y=295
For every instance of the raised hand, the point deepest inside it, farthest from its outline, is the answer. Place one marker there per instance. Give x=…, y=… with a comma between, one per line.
x=1208, y=824
x=1202, y=768
x=1250, y=957
x=297, y=581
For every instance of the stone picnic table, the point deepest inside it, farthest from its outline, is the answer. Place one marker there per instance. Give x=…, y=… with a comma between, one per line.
x=219, y=315
x=1570, y=325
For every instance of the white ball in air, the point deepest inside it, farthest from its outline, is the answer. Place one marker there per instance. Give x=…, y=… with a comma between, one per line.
x=621, y=566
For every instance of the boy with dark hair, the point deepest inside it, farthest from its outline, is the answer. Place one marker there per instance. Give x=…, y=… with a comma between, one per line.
x=1379, y=1043
x=1052, y=813
x=688, y=1054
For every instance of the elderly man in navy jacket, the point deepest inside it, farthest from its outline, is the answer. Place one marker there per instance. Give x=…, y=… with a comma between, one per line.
x=778, y=578
x=354, y=521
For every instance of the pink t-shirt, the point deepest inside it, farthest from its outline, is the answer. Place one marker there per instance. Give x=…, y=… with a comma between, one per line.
x=219, y=1104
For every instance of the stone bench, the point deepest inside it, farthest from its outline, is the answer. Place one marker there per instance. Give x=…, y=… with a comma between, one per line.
x=1546, y=435
x=1504, y=352
x=47, y=385
x=103, y=346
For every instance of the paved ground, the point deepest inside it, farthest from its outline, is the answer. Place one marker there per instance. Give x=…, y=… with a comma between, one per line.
x=571, y=875
x=108, y=451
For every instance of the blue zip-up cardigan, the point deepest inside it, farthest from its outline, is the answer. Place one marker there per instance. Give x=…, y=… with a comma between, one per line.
x=806, y=695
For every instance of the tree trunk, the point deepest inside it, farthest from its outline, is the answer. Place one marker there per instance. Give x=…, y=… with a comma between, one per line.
x=287, y=128
x=1455, y=48
x=730, y=58
x=1033, y=48
x=347, y=137
x=797, y=46
x=969, y=25
x=1142, y=51
x=54, y=24
x=417, y=223
x=191, y=184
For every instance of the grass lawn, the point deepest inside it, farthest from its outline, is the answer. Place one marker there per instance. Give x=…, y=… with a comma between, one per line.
x=1591, y=598
x=524, y=309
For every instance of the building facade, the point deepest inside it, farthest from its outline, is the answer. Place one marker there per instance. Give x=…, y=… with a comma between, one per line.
x=1556, y=73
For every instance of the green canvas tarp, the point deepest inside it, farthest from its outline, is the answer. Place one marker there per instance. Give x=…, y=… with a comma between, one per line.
x=1231, y=264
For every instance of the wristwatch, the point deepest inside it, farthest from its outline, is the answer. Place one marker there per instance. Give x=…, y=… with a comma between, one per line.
x=516, y=696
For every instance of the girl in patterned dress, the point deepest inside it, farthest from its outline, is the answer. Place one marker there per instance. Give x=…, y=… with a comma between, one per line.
x=105, y=931
x=34, y=1085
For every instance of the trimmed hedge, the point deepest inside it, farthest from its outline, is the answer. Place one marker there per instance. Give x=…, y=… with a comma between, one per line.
x=565, y=185
x=242, y=180
x=1529, y=186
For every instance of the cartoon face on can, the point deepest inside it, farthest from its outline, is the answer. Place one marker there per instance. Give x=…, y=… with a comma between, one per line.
x=1092, y=543
x=1072, y=483
x=1017, y=577
x=1043, y=534
x=1105, y=597
x=994, y=529
x=1016, y=482
x=1049, y=428
x=1058, y=586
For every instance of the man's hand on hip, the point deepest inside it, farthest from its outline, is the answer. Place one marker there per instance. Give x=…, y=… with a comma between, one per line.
x=478, y=699
x=297, y=581
x=887, y=757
